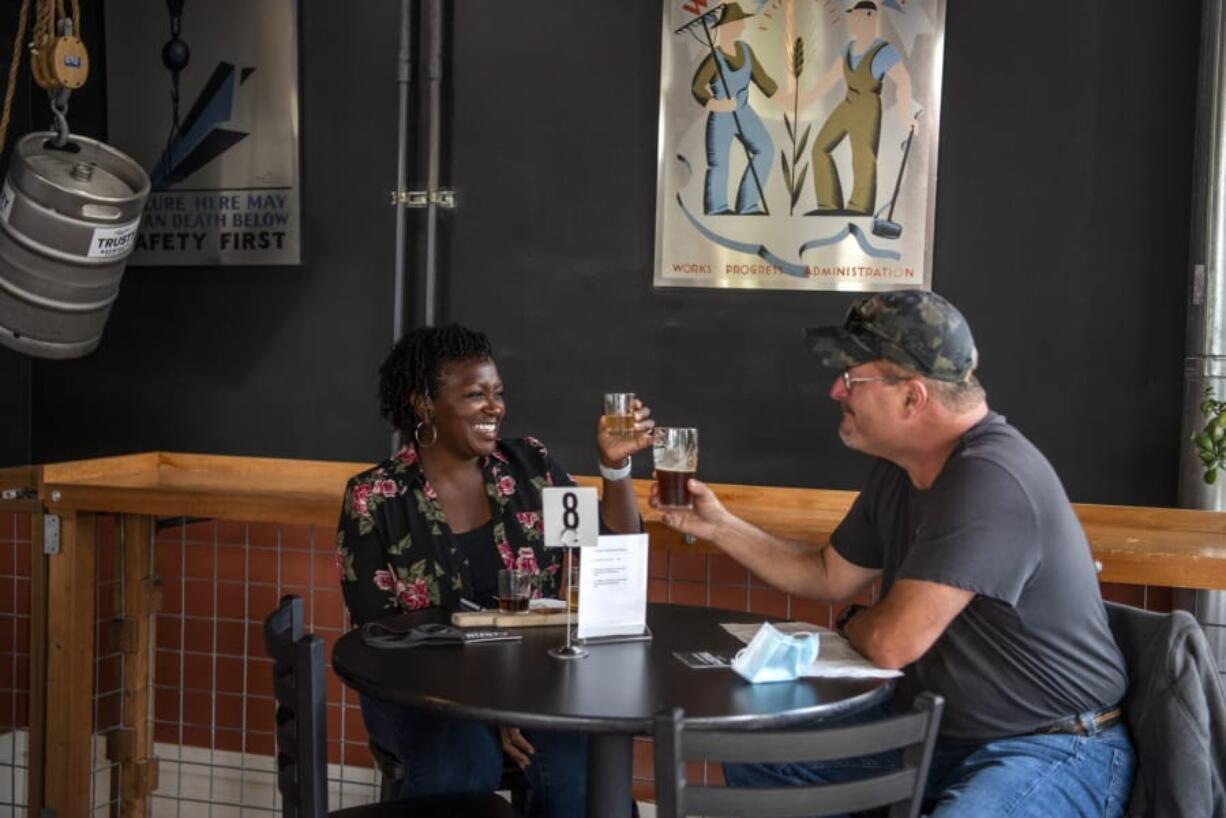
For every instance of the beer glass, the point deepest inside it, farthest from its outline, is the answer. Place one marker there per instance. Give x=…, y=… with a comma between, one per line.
x=675, y=452
x=514, y=590
x=619, y=412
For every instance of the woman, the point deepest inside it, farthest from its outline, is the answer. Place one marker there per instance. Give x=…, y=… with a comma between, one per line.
x=434, y=524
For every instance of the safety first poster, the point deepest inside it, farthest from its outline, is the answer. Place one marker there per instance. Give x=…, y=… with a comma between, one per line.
x=798, y=143
x=204, y=95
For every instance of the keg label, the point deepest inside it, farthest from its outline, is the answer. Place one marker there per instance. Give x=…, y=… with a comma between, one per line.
x=6, y=201
x=109, y=242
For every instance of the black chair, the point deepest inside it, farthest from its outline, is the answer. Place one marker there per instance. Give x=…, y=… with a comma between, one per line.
x=391, y=774
x=914, y=733
x=301, y=735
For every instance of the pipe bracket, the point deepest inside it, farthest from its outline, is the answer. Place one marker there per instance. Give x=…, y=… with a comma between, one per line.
x=424, y=198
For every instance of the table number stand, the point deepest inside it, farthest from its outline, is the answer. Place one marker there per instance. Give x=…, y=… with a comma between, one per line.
x=570, y=539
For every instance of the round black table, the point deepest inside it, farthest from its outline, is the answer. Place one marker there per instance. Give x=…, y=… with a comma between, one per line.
x=613, y=693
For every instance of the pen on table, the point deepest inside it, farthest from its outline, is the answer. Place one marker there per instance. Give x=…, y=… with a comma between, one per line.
x=469, y=605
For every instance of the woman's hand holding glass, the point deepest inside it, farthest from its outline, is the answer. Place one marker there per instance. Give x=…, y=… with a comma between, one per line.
x=614, y=447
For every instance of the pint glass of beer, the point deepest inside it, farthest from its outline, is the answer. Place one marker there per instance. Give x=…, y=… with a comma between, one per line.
x=619, y=412
x=676, y=459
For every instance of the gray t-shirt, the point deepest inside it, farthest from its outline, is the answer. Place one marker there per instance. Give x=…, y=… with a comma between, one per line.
x=1033, y=646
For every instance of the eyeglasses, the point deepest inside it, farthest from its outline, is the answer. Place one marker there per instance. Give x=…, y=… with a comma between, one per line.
x=849, y=381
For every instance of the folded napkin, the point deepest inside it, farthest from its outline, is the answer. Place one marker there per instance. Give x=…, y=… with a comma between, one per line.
x=380, y=635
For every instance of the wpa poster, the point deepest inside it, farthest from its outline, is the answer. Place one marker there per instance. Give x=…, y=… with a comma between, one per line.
x=204, y=95
x=798, y=143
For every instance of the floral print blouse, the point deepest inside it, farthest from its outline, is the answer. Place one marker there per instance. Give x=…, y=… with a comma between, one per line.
x=396, y=553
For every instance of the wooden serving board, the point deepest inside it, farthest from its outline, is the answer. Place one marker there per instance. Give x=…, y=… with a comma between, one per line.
x=485, y=619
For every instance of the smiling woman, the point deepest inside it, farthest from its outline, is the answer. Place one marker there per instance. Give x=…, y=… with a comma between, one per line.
x=432, y=527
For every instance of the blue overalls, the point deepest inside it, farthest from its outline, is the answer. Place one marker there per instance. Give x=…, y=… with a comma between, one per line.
x=721, y=128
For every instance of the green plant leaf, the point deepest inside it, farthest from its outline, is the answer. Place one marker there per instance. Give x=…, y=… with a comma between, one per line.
x=804, y=140
x=788, y=124
x=787, y=170
x=800, y=180
x=1211, y=476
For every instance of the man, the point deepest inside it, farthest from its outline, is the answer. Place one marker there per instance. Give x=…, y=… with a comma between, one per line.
x=721, y=87
x=864, y=65
x=988, y=590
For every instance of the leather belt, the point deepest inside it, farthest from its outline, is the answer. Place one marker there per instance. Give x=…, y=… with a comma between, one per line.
x=1103, y=719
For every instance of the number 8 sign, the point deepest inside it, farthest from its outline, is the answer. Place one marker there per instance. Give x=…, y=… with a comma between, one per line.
x=570, y=516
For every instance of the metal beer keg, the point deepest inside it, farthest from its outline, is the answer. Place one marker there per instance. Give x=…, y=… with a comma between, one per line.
x=68, y=221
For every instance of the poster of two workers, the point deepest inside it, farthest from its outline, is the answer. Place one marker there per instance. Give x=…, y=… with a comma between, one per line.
x=798, y=143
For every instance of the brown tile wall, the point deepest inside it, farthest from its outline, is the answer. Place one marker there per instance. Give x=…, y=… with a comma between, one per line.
x=14, y=620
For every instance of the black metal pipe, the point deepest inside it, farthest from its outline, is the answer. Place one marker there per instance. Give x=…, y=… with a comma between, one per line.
x=434, y=87
x=404, y=75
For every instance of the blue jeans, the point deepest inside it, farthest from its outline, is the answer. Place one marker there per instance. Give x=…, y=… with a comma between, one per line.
x=1040, y=776
x=721, y=130
x=448, y=755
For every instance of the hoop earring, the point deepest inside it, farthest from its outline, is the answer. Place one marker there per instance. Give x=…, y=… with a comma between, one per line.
x=417, y=434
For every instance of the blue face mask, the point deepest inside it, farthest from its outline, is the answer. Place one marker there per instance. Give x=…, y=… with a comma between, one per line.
x=772, y=656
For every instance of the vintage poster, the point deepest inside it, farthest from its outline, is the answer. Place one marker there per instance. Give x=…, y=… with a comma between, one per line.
x=204, y=95
x=798, y=143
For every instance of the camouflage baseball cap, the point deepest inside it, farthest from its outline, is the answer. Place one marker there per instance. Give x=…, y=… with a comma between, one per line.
x=917, y=329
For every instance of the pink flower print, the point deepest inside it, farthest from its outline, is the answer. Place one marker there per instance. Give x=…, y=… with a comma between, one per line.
x=499, y=456
x=429, y=491
x=548, y=479
x=386, y=487
x=414, y=595
x=553, y=569
x=506, y=486
x=530, y=520
x=508, y=558
x=526, y=561
x=536, y=444
x=384, y=581
x=357, y=498
x=407, y=455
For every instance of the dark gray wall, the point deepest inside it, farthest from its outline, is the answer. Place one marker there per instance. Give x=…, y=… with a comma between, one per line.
x=1061, y=232
x=260, y=360
x=15, y=439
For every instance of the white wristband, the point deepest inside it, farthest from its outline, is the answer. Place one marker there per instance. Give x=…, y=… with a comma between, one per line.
x=615, y=474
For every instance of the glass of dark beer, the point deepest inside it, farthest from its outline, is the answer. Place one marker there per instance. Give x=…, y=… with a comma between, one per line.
x=675, y=453
x=619, y=412
x=514, y=590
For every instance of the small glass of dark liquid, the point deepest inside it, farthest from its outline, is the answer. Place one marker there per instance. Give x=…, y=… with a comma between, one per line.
x=514, y=590
x=675, y=452
x=619, y=413
x=513, y=604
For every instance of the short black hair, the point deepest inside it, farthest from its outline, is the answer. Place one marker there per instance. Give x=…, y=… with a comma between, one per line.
x=415, y=365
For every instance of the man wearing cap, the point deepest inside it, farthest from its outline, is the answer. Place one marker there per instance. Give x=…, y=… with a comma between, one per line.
x=989, y=595
x=864, y=65
x=721, y=86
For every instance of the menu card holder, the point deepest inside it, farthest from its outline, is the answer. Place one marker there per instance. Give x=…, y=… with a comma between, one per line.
x=613, y=591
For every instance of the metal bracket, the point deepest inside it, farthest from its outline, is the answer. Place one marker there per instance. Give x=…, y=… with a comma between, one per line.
x=423, y=198
x=51, y=534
